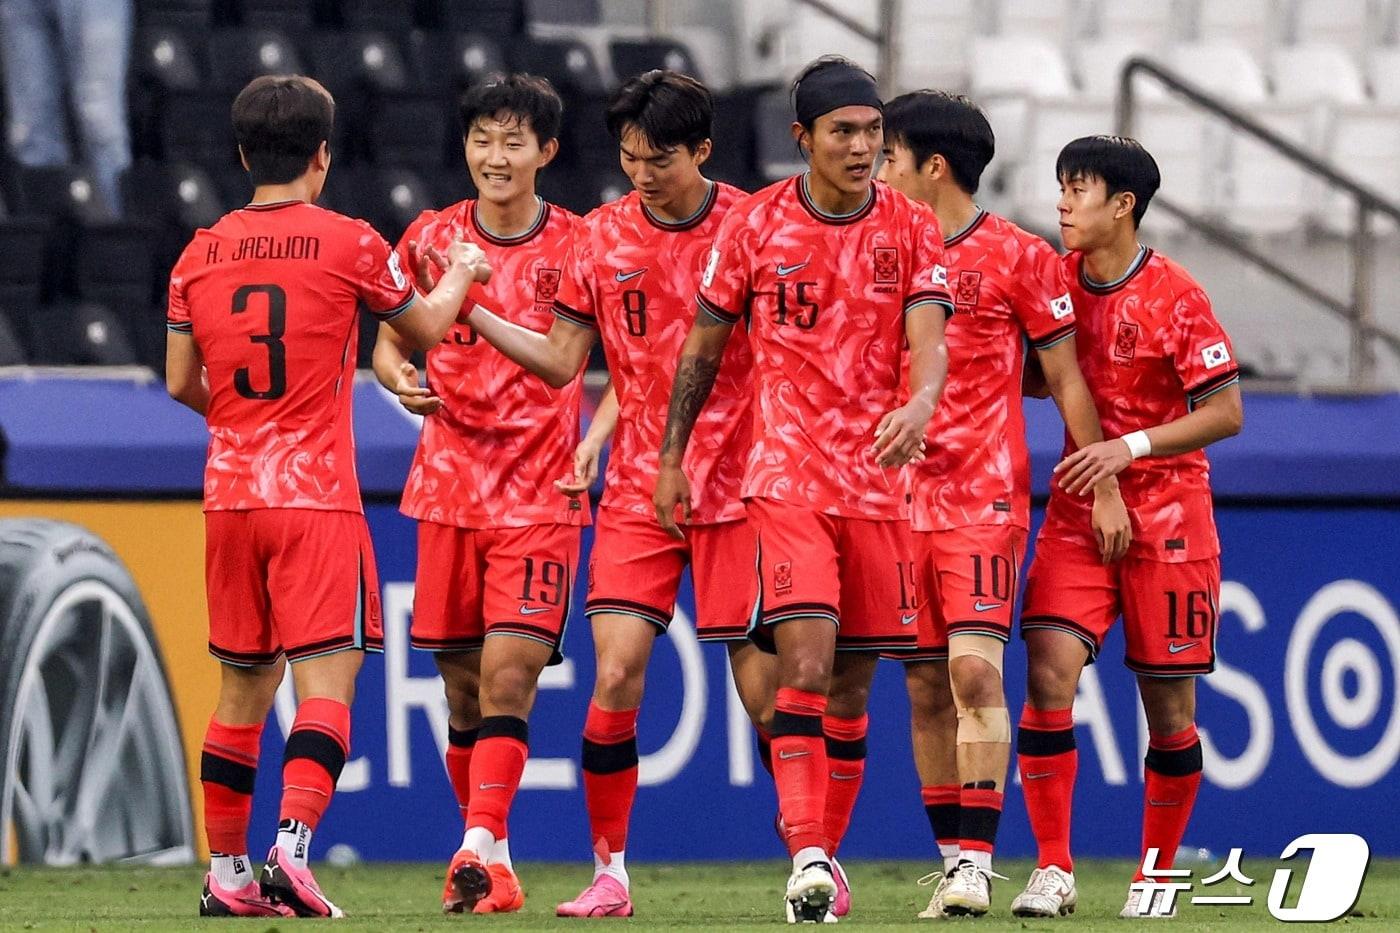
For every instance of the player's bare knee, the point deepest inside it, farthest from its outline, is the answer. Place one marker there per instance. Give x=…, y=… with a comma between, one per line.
x=1050, y=687
x=460, y=690
x=1168, y=703
x=509, y=689
x=809, y=673
x=619, y=684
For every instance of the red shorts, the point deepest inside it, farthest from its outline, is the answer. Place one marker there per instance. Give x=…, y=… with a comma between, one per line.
x=493, y=581
x=635, y=570
x=1170, y=611
x=849, y=570
x=966, y=580
x=299, y=581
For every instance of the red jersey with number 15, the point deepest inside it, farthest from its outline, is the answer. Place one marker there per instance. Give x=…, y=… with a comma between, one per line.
x=271, y=294
x=1150, y=348
x=825, y=296
x=1008, y=286
x=488, y=458
x=632, y=276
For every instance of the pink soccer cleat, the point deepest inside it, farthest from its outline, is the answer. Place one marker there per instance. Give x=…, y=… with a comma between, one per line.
x=605, y=897
x=841, y=904
x=247, y=901
x=284, y=883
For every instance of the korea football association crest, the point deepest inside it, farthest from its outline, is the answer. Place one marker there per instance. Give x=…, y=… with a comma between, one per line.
x=546, y=286
x=969, y=288
x=1125, y=342
x=886, y=265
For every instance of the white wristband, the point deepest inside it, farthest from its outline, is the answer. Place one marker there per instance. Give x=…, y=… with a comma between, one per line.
x=1139, y=444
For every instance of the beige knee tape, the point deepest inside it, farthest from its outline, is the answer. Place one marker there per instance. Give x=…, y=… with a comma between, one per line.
x=983, y=724
x=989, y=649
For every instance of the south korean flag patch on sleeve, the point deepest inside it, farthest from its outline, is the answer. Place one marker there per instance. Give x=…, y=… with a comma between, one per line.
x=708, y=278
x=1062, y=307
x=1217, y=354
x=940, y=276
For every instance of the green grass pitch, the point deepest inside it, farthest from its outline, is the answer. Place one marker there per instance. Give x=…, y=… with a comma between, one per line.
x=729, y=895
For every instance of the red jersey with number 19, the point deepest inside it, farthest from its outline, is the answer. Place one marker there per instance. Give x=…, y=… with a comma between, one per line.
x=270, y=294
x=488, y=458
x=1005, y=283
x=632, y=276
x=826, y=297
x=1150, y=348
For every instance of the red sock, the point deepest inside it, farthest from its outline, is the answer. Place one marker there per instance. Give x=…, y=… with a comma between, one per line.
x=609, y=776
x=460, y=743
x=942, y=804
x=1048, y=760
x=799, y=766
x=502, y=746
x=1172, y=776
x=765, y=749
x=980, y=812
x=316, y=751
x=845, y=756
x=228, y=766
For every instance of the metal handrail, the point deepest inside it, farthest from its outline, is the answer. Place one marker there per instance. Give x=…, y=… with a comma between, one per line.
x=1358, y=312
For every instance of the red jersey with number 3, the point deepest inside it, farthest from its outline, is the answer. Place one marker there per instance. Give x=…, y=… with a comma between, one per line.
x=1150, y=348
x=1008, y=287
x=489, y=457
x=825, y=297
x=632, y=276
x=270, y=294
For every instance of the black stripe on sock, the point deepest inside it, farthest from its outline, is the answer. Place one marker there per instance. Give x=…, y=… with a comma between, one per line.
x=785, y=723
x=462, y=738
x=1041, y=742
x=315, y=745
x=979, y=824
x=845, y=749
x=944, y=819
x=611, y=758
x=234, y=775
x=510, y=727
x=1175, y=763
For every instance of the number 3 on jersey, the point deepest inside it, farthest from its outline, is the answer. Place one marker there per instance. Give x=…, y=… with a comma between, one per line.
x=276, y=349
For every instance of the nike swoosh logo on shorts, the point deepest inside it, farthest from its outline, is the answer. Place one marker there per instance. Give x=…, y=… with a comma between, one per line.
x=533, y=610
x=788, y=270
x=835, y=776
x=1174, y=648
x=1039, y=775
x=984, y=607
x=905, y=620
x=625, y=276
x=1163, y=803
x=489, y=786
x=788, y=756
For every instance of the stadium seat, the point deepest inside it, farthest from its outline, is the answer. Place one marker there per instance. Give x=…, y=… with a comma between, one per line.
x=1150, y=23
x=237, y=56
x=1221, y=68
x=81, y=333
x=194, y=126
x=23, y=244
x=582, y=193
x=391, y=16
x=1384, y=72
x=806, y=34
x=633, y=56
x=112, y=265
x=492, y=17
x=1365, y=144
x=177, y=14
x=1349, y=24
x=732, y=158
x=1099, y=65
x=568, y=64
x=1008, y=72
x=12, y=351
x=1035, y=190
x=1050, y=20
x=1253, y=25
x=411, y=129
x=393, y=199
x=1265, y=192
x=359, y=62
x=453, y=61
x=163, y=60
x=65, y=193
x=777, y=154
x=290, y=16
x=1316, y=73
x=1188, y=154
x=565, y=12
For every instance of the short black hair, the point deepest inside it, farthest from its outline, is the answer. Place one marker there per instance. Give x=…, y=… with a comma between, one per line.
x=933, y=123
x=1122, y=163
x=279, y=122
x=527, y=98
x=668, y=108
x=823, y=63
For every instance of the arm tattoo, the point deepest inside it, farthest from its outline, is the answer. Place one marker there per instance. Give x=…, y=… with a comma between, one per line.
x=694, y=378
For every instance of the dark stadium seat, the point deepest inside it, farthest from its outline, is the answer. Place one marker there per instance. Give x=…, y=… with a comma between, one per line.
x=291, y=16
x=732, y=158
x=22, y=243
x=178, y=194
x=378, y=15
x=634, y=56
x=355, y=61
x=393, y=198
x=12, y=351
x=63, y=192
x=112, y=266
x=567, y=63
x=180, y=14
x=237, y=56
x=581, y=192
x=493, y=17
x=194, y=126
x=565, y=12
x=410, y=129
x=163, y=60
x=81, y=333
x=453, y=61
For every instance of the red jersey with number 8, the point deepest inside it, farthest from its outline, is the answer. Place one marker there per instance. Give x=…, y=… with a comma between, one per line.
x=270, y=295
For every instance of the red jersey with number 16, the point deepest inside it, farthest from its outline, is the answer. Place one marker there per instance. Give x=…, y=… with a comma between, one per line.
x=826, y=297
x=271, y=294
x=1150, y=348
x=632, y=275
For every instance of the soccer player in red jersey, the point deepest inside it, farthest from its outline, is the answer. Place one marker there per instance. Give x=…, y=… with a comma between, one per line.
x=1163, y=376
x=833, y=272
x=262, y=330
x=497, y=546
x=630, y=279
x=970, y=506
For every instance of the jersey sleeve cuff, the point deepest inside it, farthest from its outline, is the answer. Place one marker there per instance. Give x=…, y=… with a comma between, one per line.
x=395, y=312
x=1213, y=385
x=180, y=327
x=716, y=312
x=573, y=316
x=1059, y=335
x=919, y=299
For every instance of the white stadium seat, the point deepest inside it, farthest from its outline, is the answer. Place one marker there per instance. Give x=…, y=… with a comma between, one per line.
x=1150, y=22
x=1251, y=24
x=1316, y=72
x=1051, y=20
x=933, y=40
x=1035, y=190
x=1365, y=144
x=1384, y=73
x=1099, y=64
x=1351, y=24
x=1007, y=74
x=1221, y=68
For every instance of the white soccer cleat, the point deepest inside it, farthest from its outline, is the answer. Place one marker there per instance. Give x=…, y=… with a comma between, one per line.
x=1049, y=893
x=941, y=880
x=1134, y=910
x=810, y=894
x=969, y=890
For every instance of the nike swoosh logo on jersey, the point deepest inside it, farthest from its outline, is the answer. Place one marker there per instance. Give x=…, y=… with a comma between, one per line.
x=533, y=610
x=984, y=607
x=837, y=776
x=788, y=270
x=1174, y=648
x=1039, y=775
x=905, y=620
x=626, y=276
x=789, y=756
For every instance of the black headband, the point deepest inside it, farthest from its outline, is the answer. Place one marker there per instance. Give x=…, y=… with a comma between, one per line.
x=831, y=88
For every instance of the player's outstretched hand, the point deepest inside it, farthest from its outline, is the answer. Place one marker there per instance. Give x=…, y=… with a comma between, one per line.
x=899, y=437
x=425, y=259
x=471, y=255
x=1088, y=466
x=585, y=470
x=672, y=489
x=1111, y=525
x=416, y=398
